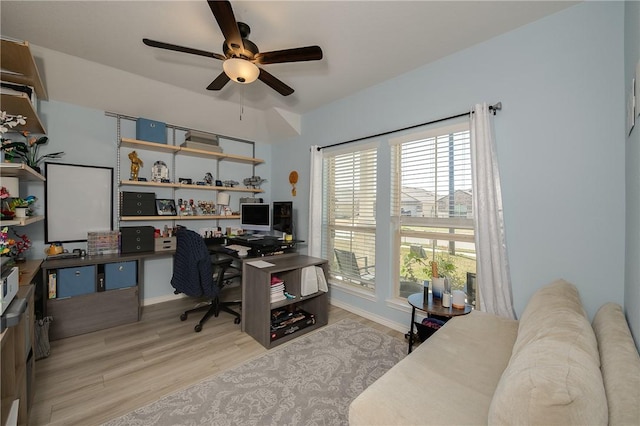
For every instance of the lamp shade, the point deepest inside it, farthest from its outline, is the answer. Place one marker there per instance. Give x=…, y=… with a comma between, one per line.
x=240, y=70
x=12, y=184
x=223, y=199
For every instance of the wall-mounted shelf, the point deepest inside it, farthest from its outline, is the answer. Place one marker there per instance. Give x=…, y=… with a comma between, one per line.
x=21, y=105
x=21, y=171
x=187, y=186
x=200, y=217
x=21, y=221
x=150, y=183
x=19, y=67
x=134, y=143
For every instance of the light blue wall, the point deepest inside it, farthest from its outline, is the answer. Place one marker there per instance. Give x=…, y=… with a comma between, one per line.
x=560, y=147
x=632, y=269
x=89, y=137
x=560, y=143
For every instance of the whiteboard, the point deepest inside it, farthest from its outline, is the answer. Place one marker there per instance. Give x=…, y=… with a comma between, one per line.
x=78, y=199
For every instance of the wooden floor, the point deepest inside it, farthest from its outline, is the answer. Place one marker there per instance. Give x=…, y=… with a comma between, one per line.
x=95, y=377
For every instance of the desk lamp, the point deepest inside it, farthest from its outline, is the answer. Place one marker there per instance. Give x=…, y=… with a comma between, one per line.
x=223, y=202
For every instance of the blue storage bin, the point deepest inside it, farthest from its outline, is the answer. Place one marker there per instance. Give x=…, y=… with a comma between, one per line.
x=76, y=281
x=151, y=131
x=120, y=275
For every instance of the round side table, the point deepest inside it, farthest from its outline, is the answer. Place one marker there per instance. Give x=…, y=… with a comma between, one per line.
x=431, y=307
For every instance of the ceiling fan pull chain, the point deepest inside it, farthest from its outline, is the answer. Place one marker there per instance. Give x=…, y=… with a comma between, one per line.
x=241, y=102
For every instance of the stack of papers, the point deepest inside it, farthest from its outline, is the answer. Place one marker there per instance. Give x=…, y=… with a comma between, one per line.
x=277, y=289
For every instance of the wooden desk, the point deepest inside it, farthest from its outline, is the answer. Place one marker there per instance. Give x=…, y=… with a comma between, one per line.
x=431, y=307
x=28, y=270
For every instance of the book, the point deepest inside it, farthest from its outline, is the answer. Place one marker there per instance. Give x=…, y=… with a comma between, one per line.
x=52, y=285
x=298, y=321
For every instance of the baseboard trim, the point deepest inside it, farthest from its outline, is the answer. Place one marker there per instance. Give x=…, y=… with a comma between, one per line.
x=402, y=328
x=161, y=299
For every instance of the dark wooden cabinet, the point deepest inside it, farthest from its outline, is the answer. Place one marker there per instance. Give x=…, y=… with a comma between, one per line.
x=113, y=299
x=257, y=307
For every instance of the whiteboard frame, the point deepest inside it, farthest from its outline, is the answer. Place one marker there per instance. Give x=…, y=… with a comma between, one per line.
x=78, y=199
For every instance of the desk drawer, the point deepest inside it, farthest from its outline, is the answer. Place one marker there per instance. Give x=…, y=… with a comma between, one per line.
x=138, y=204
x=76, y=281
x=136, y=239
x=120, y=275
x=165, y=244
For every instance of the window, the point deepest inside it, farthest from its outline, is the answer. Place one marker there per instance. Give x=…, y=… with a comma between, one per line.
x=432, y=208
x=349, y=216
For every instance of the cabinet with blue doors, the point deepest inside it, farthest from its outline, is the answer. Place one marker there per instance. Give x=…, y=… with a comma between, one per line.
x=91, y=293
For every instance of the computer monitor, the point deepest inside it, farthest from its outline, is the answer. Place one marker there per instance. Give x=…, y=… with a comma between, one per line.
x=255, y=217
x=283, y=216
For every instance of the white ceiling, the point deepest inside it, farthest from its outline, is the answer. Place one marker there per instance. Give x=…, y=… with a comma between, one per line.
x=364, y=42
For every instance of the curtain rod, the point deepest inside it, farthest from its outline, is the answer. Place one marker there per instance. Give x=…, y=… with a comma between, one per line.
x=495, y=108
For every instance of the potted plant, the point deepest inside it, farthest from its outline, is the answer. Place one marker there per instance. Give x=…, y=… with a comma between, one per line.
x=26, y=151
x=21, y=206
x=412, y=262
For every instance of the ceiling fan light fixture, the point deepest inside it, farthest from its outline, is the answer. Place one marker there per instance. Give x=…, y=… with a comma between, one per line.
x=241, y=70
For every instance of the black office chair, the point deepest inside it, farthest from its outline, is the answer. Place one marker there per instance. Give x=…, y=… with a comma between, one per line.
x=197, y=273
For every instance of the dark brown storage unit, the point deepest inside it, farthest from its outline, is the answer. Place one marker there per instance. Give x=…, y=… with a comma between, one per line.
x=138, y=203
x=136, y=239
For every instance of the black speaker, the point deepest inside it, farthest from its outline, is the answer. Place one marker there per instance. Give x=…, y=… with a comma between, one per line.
x=471, y=289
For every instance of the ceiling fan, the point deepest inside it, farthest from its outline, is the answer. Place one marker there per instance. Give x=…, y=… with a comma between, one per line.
x=241, y=56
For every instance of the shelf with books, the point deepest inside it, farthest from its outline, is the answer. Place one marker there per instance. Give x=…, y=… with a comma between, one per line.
x=258, y=309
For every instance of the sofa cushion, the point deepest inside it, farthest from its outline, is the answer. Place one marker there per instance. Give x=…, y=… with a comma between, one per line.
x=620, y=364
x=553, y=376
x=454, y=373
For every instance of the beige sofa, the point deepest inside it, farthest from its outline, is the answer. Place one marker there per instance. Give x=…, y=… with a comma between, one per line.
x=552, y=367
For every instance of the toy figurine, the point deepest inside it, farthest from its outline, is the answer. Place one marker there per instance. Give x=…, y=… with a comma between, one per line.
x=136, y=163
x=208, y=179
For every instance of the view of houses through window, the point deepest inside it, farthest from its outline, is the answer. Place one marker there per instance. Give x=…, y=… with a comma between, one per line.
x=431, y=211
x=432, y=208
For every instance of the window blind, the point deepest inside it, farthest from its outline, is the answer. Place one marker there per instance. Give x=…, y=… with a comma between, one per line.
x=432, y=205
x=349, y=219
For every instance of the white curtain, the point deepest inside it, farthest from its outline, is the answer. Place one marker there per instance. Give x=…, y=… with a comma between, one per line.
x=315, y=203
x=494, y=282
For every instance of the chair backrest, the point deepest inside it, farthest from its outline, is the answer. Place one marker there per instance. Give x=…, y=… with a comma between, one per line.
x=192, y=272
x=347, y=262
x=418, y=251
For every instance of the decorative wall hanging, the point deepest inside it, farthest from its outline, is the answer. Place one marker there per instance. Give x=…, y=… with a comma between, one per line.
x=293, y=180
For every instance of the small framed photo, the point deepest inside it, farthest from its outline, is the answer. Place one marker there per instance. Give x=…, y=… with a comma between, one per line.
x=166, y=207
x=218, y=183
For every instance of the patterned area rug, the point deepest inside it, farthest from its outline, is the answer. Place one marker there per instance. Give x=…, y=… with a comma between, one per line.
x=310, y=381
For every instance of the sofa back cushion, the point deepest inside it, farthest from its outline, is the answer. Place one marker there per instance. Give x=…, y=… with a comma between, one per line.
x=553, y=376
x=620, y=364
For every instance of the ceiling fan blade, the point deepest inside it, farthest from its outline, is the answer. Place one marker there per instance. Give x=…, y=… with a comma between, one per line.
x=176, y=48
x=219, y=82
x=223, y=13
x=274, y=83
x=309, y=53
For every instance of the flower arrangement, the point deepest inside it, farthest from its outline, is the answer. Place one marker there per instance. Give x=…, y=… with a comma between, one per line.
x=26, y=151
x=13, y=247
x=5, y=242
x=21, y=245
x=22, y=202
x=8, y=122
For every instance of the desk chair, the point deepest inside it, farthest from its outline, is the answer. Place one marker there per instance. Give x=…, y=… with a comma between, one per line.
x=348, y=266
x=197, y=273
